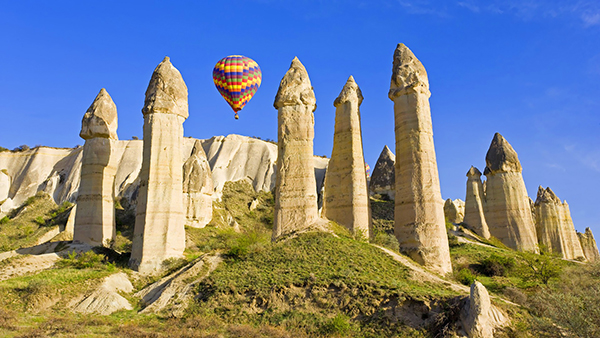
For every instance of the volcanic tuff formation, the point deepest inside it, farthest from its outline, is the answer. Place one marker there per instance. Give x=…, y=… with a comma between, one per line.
x=383, y=177
x=454, y=210
x=588, y=244
x=197, y=188
x=419, y=213
x=480, y=318
x=508, y=210
x=159, y=225
x=95, y=221
x=554, y=225
x=346, y=198
x=475, y=204
x=295, y=193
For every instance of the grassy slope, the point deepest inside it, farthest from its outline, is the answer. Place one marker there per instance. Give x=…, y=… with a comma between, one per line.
x=317, y=284
x=26, y=224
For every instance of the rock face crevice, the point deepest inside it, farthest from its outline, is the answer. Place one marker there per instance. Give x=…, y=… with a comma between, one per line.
x=475, y=204
x=508, y=209
x=419, y=214
x=554, y=226
x=346, y=198
x=95, y=222
x=295, y=189
x=383, y=180
x=159, y=231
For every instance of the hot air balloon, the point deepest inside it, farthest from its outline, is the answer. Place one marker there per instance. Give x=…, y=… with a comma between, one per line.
x=237, y=78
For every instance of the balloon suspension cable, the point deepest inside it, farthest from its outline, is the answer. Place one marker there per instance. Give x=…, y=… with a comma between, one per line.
x=236, y=116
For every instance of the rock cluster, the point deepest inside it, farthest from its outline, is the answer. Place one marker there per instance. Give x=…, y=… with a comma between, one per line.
x=159, y=231
x=508, y=210
x=95, y=221
x=475, y=204
x=383, y=180
x=346, y=198
x=197, y=188
x=555, y=229
x=295, y=190
x=419, y=222
x=454, y=210
x=588, y=244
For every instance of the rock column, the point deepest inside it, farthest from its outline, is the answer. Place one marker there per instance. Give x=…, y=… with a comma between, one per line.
x=419, y=213
x=95, y=221
x=508, y=210
x=589, y=246
x=159, y=231
x=295, y=188
x=475, y=204
x=346, y=197
x=554, y=225
x=198, y=188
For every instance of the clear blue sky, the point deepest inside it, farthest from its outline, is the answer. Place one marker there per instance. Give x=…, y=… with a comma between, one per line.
x=528, y=69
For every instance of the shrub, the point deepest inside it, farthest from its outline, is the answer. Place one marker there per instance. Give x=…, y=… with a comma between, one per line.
x=3, y=149
x=453, y=241
x=340, y=324
x=541, y=268
x=386, y=240
x=496, y=265
x=40, y=220
x=4, y=220
x=86, y=260
x=22, y=147
x=465, y=277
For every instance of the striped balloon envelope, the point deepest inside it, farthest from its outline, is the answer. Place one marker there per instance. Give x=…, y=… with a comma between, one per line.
x=237, y=79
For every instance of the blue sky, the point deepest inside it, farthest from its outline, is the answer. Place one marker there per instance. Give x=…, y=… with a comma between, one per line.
x=527, y=69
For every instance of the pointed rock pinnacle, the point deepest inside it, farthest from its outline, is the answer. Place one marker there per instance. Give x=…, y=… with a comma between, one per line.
x=167, y=92
x=408, y=74
x=350, y=92
x=100, y=120
x=295, y=88
x=501, y=157
x=473, y=172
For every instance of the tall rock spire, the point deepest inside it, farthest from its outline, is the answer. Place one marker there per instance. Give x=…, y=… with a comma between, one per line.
x=475, y=204
x=508, y=211
x=295, y=189
x=419, y=214
x=159, y=225
x=589, y=246
x=346, y=198
x=95, y=221
x=554, y=226
x=198, y=188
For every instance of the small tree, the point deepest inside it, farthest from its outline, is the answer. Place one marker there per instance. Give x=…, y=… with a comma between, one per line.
x=542, y=267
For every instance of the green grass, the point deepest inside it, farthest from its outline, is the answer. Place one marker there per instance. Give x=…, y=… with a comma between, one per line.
x=26, y=224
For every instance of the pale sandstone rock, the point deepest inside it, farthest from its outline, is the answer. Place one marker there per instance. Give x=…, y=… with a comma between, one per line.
x=475, y=204
x=159, y=231
x=454, y=210
x=419, y=223
x=480, y=318
x=106, y=299
x=295, y=190
x=554, y=225
x=4, y=185
x=589, y=246
x=346, y=198
x=197, y=188
x=171, y=294
x=508, y=211
x=70, y=226
x=95, y=221
x=383, y=177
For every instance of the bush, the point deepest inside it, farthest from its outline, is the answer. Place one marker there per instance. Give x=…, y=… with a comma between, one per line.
x=453, y=241
x=3, y=149
x=496, y=265
x=340, y=324
x=465, y=277
x=86, y=260
x=4, y=220
x=541, y=268
x=21, y=148
x=40, y=220
x=386, y=240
